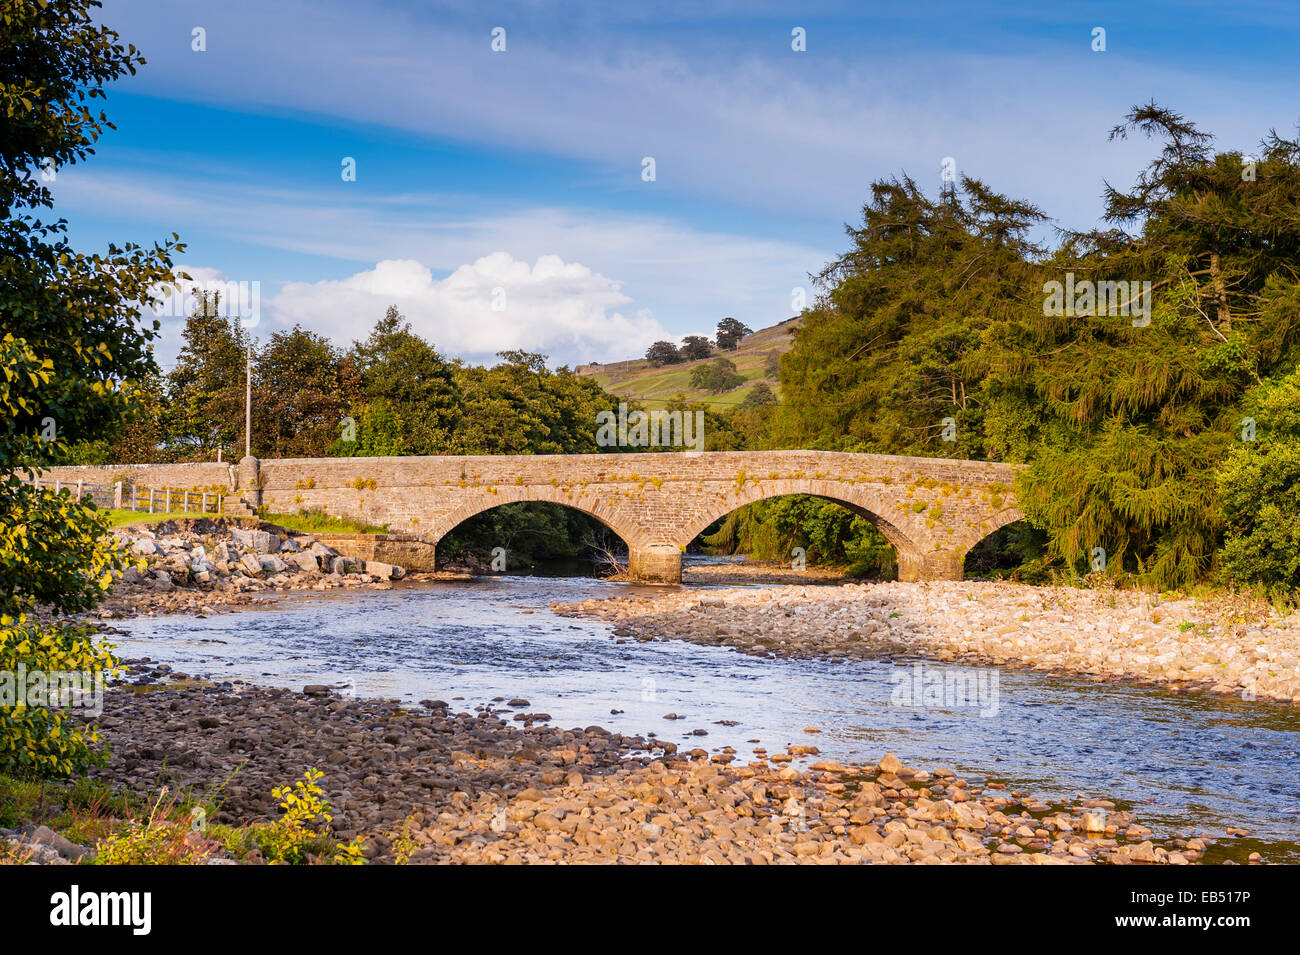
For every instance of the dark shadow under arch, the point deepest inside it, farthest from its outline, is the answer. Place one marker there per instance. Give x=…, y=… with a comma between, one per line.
x=533, y=535
x=1005, y=550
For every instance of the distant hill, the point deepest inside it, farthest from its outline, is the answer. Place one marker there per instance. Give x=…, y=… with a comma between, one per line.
x=637, y=378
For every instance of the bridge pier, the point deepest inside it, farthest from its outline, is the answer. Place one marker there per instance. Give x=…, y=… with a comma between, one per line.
x=655, y=564
x=936, y=565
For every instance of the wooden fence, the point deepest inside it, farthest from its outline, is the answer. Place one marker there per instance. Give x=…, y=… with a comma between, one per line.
x=133, y=497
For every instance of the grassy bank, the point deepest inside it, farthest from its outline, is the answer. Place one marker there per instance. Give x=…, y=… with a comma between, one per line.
x=119, y=828
x=312, y=522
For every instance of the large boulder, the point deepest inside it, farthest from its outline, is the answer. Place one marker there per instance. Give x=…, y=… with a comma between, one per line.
x=271, y=563
x=384, y=571
x=345, y=565
x=259, y=542
x=302, y=561
x=145, y=546
x=252, y=566
x=163, y=581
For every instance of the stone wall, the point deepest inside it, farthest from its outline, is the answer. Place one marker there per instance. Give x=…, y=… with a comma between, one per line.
x=205, y=475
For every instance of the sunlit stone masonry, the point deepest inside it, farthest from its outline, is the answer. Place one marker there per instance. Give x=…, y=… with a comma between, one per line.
x=933, y=510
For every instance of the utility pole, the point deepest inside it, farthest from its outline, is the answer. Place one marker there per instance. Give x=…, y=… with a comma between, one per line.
x=248, y=402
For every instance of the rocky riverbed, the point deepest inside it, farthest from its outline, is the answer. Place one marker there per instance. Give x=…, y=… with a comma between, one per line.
x=428, y=785
x=1235, y=647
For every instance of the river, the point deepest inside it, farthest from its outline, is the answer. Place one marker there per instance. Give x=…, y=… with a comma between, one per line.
x=1185, y=763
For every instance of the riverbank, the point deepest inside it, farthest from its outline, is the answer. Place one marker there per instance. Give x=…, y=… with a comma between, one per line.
x=1176, y=642
x=427, y=785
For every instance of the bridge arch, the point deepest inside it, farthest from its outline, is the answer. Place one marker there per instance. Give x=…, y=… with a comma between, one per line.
x=865, y=504
x=594, y=506
x=864, y=501
x=919, y=557
x=991, y=526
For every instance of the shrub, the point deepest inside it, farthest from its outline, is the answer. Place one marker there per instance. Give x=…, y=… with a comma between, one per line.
x=42, y=740
x=1259, y=484
x=301, y=835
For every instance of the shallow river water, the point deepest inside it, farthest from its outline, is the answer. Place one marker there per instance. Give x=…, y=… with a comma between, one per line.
x=1185, y=763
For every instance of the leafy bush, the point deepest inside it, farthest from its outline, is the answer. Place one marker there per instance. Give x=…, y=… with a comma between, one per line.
x=70, y=358
x=302, y=833
x=41, y=740
x=1260, y=487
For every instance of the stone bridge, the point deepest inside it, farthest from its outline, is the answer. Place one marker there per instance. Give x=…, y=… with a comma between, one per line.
x=933, y=510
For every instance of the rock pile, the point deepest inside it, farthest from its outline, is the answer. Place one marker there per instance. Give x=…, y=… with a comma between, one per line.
x=218, y=561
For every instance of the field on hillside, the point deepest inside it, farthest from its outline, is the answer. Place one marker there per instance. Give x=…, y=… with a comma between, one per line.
x=639, y=379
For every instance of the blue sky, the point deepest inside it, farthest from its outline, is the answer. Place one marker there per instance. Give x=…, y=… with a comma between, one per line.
x=518, y=174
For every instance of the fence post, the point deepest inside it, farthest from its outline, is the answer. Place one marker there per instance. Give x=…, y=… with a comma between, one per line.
x=117, y=495
x=220, y=498
x=151, y=500
x=204, y=505
x=78, y=490
x=58, y=486
x=185, y=501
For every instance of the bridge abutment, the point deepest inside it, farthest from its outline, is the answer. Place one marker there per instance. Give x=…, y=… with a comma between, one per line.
x=655, y=564
x=936, y=565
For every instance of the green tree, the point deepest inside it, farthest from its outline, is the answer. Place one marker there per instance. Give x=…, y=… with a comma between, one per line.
x=695, y=347
x=730, y=332
x=206, y=388
x=663, y=353
x=520, y=407
x=396, y=366
x=718, y=376
x=71, y=350
x=772, y=364
x=297, y=400
x=1259, y=483
x=1125, y=423
x=760, y=395
x=892, y=348
x=139, y=436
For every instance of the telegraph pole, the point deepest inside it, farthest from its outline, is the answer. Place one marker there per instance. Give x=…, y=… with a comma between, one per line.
x=248, y=402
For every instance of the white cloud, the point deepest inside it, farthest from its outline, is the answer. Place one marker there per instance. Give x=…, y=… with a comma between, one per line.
x=687, y=278
x=561, y=308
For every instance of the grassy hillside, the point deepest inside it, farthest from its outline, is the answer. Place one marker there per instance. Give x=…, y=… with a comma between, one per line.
x=639, y=379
